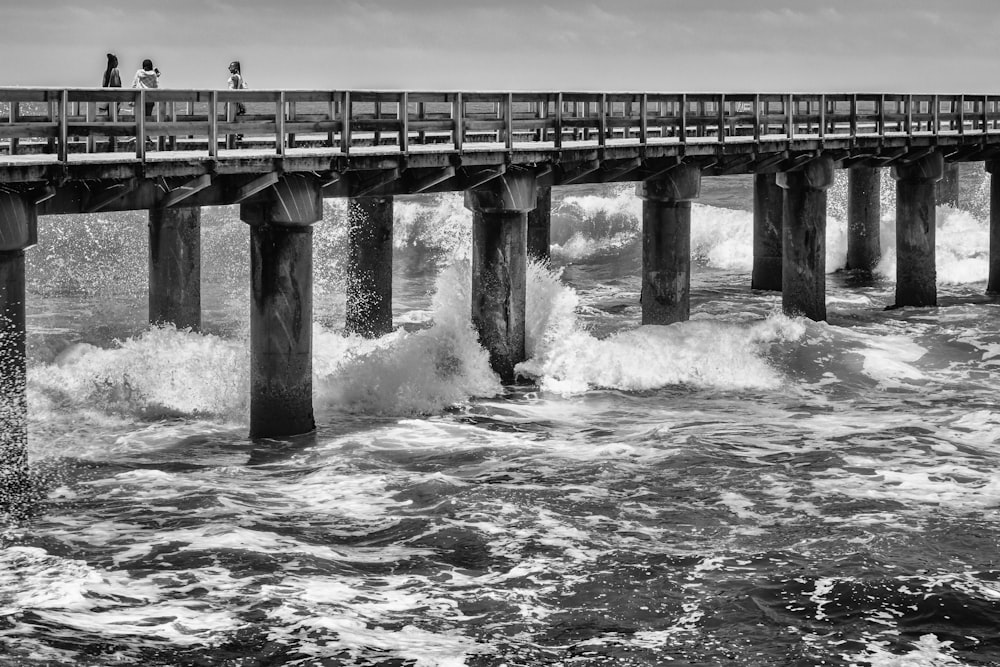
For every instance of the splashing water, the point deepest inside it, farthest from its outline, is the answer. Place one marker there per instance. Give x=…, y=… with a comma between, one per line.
x=743, y=488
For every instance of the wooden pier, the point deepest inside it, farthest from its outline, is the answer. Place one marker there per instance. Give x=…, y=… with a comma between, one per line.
x=83, y=150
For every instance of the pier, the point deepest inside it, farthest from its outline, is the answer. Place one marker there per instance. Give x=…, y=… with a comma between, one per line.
x=83, y=150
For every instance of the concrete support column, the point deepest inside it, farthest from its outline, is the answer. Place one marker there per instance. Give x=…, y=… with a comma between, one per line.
x=947, y=189
x=540, y=224
x=993, y=284
x=499, y=265
x=803, y=272
x=18, y=231
x=281, y=306
x=369, y=266
x=768, y=201
x=175, y=266
x=666, y=244
x=916, y=271
x=864, y=215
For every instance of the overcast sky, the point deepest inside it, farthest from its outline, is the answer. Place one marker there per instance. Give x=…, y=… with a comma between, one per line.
x=946, y=46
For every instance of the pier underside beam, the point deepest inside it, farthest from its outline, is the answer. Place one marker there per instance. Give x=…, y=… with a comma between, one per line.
x=281, y=306
x=767, y=214
x=540, y=224
x=947, y=189
x=369, y=266
x=864, y=214
x=499, y=265
x=666, y=244
x=18, y=231
x=993, y=284
x=916, y=272
x=803, y=271
x=175, y=266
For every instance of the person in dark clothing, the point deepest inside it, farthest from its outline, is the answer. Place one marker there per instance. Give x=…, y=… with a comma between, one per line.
x=111, y=79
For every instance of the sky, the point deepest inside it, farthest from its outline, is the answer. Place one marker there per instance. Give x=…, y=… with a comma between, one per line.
x=916, y=46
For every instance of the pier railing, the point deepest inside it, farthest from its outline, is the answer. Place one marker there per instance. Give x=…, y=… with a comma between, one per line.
x=100, y=120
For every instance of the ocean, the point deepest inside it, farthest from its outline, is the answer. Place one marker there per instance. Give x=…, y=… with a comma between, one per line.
x=745, y=488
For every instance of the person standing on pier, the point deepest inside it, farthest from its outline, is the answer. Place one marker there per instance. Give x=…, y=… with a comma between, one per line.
x=147, y=77
x=237, y=82
x=112, y=79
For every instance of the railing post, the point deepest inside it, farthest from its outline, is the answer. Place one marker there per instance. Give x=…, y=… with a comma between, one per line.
x=404, y=117
x=15, y=112
x=961, y=115
x=213, y=124
x=602, y=121
x=140, y=125
x=158, y=117
x=508, y=104
x=684, y=121
x=172, y=139
x=822, y=117
x=279, y=125
x=854, y=118
x=458, y=122
x=229, y=109
x=113, y=115
x=559, y=120
x=790, y=116
x=64, y=126
x=331, y=116
x=91, y=117
x=722, y=118
x=937, y=113
x=643, y=121
x=345, y=127
x=880, y=129
x=757, y=117
x=291, y=116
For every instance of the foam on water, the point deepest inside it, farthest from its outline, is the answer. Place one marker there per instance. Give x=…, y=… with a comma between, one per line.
x=743, y=488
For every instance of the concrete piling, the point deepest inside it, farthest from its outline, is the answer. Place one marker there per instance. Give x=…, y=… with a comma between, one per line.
x=499, y=265
x=281, y=310
x=916, y=272
x=993, y=282
x=369, y=266
x=768, y=201
x=175, y=266
x=18, y=231
x=864, y=215
x=666, y=244
x=946, y=191
x=540, y=224
x=803, y=272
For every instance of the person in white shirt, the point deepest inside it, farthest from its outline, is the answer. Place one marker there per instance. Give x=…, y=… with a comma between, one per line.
x=147, y=77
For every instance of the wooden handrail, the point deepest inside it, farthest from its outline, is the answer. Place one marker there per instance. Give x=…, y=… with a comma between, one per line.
x=72, y=119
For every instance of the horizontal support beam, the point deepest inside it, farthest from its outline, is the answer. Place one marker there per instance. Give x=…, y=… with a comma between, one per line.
x=255, y=186
x=109, y=194
x=187, y=190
